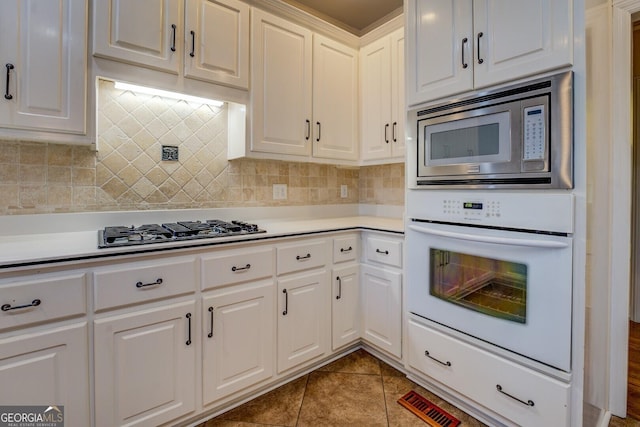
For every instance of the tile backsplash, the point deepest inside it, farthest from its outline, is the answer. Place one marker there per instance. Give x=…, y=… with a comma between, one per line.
x=128, y=173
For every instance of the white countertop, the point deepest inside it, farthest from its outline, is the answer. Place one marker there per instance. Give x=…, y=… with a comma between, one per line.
x=32, y=249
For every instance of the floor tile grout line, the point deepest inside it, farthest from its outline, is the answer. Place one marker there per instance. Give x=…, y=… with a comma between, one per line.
x=384, y=393
x=306, y=384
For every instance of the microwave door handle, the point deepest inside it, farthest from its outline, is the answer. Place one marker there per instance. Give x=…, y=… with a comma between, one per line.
x=489, y=239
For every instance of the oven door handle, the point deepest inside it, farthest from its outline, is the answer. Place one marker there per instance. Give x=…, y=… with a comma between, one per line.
x=497, y=240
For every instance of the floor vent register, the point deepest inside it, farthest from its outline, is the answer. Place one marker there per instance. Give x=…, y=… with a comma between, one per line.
x=427, y=411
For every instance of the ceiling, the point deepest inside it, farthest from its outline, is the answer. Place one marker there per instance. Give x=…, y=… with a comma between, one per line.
x=355, y=16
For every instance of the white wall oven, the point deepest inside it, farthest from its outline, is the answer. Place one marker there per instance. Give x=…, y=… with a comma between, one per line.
x=496, y=267
x=514, y=137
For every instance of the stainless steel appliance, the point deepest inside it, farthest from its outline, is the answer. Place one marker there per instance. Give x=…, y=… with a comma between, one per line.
x=495, y=266
x=514, y=137
x=115, y=236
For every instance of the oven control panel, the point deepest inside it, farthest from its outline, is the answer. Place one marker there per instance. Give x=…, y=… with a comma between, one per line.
x=519, y=210
x=470, y=209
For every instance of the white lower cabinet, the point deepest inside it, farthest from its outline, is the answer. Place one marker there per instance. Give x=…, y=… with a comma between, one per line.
x=303, y=318
x=145, y=366
x=48, y=367
x=345, y=306
x=238, y=338
x=513, y=391
x=382, y=308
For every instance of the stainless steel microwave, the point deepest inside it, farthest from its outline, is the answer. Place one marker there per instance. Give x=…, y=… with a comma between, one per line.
x=513, y=137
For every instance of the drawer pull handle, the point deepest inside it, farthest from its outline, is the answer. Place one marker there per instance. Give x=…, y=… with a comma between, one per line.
x=286, y=302
x=300, y=258
x=480, y=60
x=447, y=363
x=34, y=303
x=339, y=287
x=7, y=95
x=193, y=44
x=527, y=403
x=173, y=37
x=144, y=285
x=246, y=267
x=210, y=335
x=189, y=329
x=464, y=43
x=349, y=249
x=378, y=251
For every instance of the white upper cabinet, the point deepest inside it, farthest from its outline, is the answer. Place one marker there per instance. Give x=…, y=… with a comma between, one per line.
x=218, y=41
x=118, y=32
x=335, y=100
x=44, y=65
x=460, y=45
x=209, y=38
x=382, y=98
x=281, y=85
x=304, y=90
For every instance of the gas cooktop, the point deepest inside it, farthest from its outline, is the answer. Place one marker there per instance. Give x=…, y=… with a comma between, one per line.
x=172, y=232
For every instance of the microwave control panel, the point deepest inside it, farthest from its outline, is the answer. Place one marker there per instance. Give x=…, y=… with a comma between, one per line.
x=534, y=133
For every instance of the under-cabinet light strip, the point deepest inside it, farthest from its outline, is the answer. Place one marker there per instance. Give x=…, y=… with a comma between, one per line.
x=167, y=94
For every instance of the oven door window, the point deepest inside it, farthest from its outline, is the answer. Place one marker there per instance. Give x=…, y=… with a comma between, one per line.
x=471, y=140
x=493, y=287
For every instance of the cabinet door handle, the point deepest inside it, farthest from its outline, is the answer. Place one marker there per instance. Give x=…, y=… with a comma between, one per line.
x=339, y=287
x=286, y=302
x=447, y=363
x=318, y=138
x=193, y=44
x=349, y=249
x=173, y=37
x=7, y=95
x=144, y=285
x=393, y=132
x=527, y=403
x=301, y=258
x=7, y=307
x=480, y=34
x=386, y=137
x=308, y=135
x=189, y=329
x=378, y=251
x=464, y=44
x=210, y=335
x=236, y=269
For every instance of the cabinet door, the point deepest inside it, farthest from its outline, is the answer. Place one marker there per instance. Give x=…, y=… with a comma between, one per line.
x=398, y=108
x=375, y=80
x=382, y=308
x=145, y=366
x=143, y=32
x=521, y=38
x=440, y=46
x=345, y=306
x=239, y=336
x=44, y=59
x=48, y=368
x=335, y=100
x=281, y=85
x=303, y=319
x=217, y=41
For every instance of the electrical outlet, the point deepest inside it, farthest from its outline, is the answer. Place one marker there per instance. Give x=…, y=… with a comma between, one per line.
x=279, y=191
x=344, y=191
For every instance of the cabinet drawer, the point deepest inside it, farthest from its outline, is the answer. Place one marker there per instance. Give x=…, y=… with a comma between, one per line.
x=302, y=256
x=237, y=266
x=42, y=299
x=541, y=400
x=384, y=250
x=137, y=282
x=345, y=249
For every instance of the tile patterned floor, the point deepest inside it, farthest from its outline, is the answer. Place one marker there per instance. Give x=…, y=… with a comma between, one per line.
x=623, y=422
x=356, y=390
